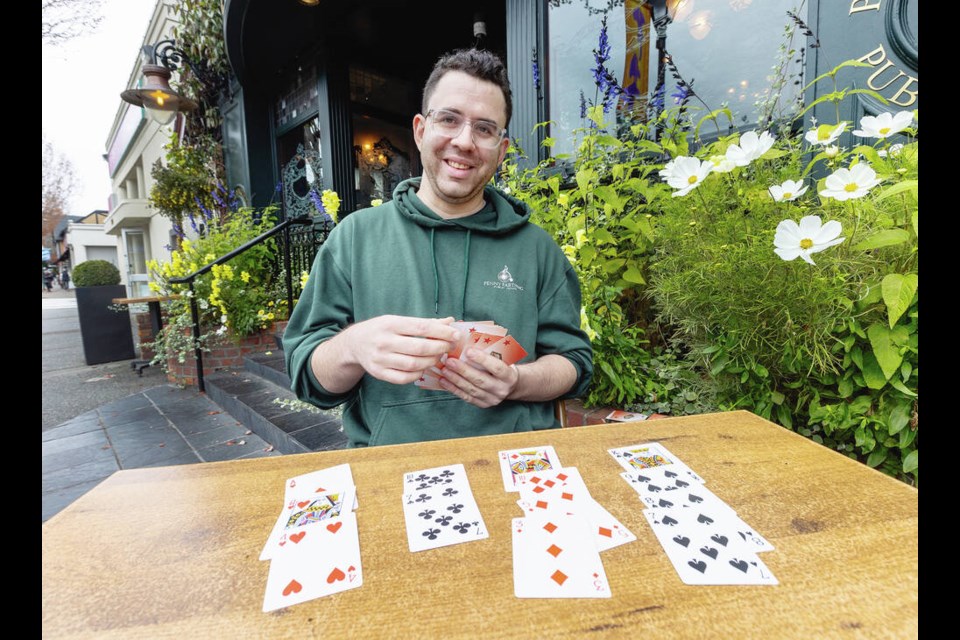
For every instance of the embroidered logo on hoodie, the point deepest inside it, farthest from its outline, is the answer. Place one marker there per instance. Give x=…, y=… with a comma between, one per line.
x=504, y=281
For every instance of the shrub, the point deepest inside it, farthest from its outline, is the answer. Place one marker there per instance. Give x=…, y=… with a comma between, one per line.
x=95, y=273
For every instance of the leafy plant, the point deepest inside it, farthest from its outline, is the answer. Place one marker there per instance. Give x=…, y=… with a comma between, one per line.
x=95, y=273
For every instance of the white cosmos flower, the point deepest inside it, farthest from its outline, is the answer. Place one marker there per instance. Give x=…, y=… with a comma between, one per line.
x=884, y=125
x=789, y=190
x=751, y=147
x=852, y=183
x=667, y=171
x=722, y=164
x=832, y=151
x=825, y=134
x=894, y=151
x=792, y=239
x=687, y=173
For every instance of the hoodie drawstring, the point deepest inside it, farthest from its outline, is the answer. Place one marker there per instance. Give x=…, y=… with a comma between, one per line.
x=466, y=267
x=436, y=273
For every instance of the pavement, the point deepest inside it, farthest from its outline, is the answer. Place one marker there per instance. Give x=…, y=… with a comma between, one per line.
x=100, y=419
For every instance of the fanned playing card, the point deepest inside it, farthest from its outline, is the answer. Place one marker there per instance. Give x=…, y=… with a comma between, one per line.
x=319, y=560
x=517, y=462
x=439, y=508
x=554, y=557
x=705, y=558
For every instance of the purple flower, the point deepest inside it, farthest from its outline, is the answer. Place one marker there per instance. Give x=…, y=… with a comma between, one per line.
x=583, y=105
x=207, y=214
x=681, y=94
x=536, y=70
x=317, y=202
x=193, y=223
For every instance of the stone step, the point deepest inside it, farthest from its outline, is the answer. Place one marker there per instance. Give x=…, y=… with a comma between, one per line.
x=250, y=395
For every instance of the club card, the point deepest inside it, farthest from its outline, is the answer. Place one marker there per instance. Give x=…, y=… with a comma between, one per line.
x=441, y=517
x=706, y=560
x=319, y=560
x=646, y=456
x=554, y=557
x=516, y=462
x=307, y=510
x=435, y=477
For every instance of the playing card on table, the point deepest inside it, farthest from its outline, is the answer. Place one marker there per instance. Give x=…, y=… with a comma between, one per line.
x=624, y=416
x=439, y=508
x=517, y=462
x=318, y=560
x=301, y=512
x=441, y=517
x=563, y=490
x=650, y=455
x=554, y=557
x=435, y=477
x=667, y=489
x=321, y=481
x=705, y=558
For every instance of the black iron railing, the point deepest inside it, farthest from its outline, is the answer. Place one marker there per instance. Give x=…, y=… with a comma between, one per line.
x=296, y=242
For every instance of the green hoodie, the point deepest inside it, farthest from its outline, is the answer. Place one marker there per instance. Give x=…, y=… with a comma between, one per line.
x=401, y=258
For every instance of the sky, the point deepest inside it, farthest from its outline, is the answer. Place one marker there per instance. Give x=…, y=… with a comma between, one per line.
x=81, y=85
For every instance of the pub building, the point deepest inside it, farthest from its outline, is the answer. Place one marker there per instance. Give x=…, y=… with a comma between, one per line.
x=325, y=92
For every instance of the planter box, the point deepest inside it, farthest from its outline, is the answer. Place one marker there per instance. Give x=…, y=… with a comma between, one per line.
x=226, y=353
x=105, y=333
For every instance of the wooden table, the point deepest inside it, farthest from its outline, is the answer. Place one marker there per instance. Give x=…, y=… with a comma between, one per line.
x=172, y=552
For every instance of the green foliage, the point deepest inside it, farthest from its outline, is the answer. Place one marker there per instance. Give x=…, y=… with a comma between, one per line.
x=234, y=299
x=95, y=273
x=189, y=177
x=689, y=307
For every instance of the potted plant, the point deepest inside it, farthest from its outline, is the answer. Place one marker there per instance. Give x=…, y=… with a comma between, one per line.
x=106, y=334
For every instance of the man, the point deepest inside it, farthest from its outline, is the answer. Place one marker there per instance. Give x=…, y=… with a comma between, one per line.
x=389, y=281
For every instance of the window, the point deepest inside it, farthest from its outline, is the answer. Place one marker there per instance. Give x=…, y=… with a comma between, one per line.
x=725, y=48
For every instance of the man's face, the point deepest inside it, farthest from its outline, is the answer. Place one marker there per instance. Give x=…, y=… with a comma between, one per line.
x=455, y=170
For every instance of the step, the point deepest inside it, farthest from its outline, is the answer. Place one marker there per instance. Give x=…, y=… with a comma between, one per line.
x=249, y=396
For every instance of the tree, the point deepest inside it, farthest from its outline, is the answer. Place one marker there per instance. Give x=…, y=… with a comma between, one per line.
x=58, y=182
x=63, y=20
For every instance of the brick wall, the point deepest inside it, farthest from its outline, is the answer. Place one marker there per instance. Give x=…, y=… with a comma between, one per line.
x=228, y=354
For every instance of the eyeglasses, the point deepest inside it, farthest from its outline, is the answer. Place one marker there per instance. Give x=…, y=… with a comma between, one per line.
x=450, y=123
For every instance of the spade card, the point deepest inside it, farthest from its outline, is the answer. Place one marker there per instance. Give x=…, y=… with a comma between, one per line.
x=517, y=462
x=319, y=560
x=660, y=491
x=554, y=557
x=640, y=457
x=704, y=558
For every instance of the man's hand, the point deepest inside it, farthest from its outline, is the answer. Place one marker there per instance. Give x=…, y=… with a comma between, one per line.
x=395, y=349
x=487, y=384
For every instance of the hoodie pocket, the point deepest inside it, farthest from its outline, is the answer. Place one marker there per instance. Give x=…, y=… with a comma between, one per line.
x=444, y=417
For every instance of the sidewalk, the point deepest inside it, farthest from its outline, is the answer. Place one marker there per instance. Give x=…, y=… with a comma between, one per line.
x=137, y=422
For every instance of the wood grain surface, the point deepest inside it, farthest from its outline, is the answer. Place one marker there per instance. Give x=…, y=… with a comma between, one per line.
x=173, y=551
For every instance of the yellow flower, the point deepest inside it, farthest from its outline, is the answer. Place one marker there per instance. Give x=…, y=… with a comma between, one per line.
x=270, y=316
x=571, y=252
x=153, y=286
x=376, y=202
x=331, y=203
x=245, y=276
x=209, y=258
x=270, y=304
x=304, y=276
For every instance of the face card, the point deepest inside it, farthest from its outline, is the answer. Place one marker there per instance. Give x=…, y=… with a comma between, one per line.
x=554, y=557
x=516, y=462
x=304, y=511
x=646, y=456
x=706, y=560
x=321, y=560
x=321, y=481
x=442, y=517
